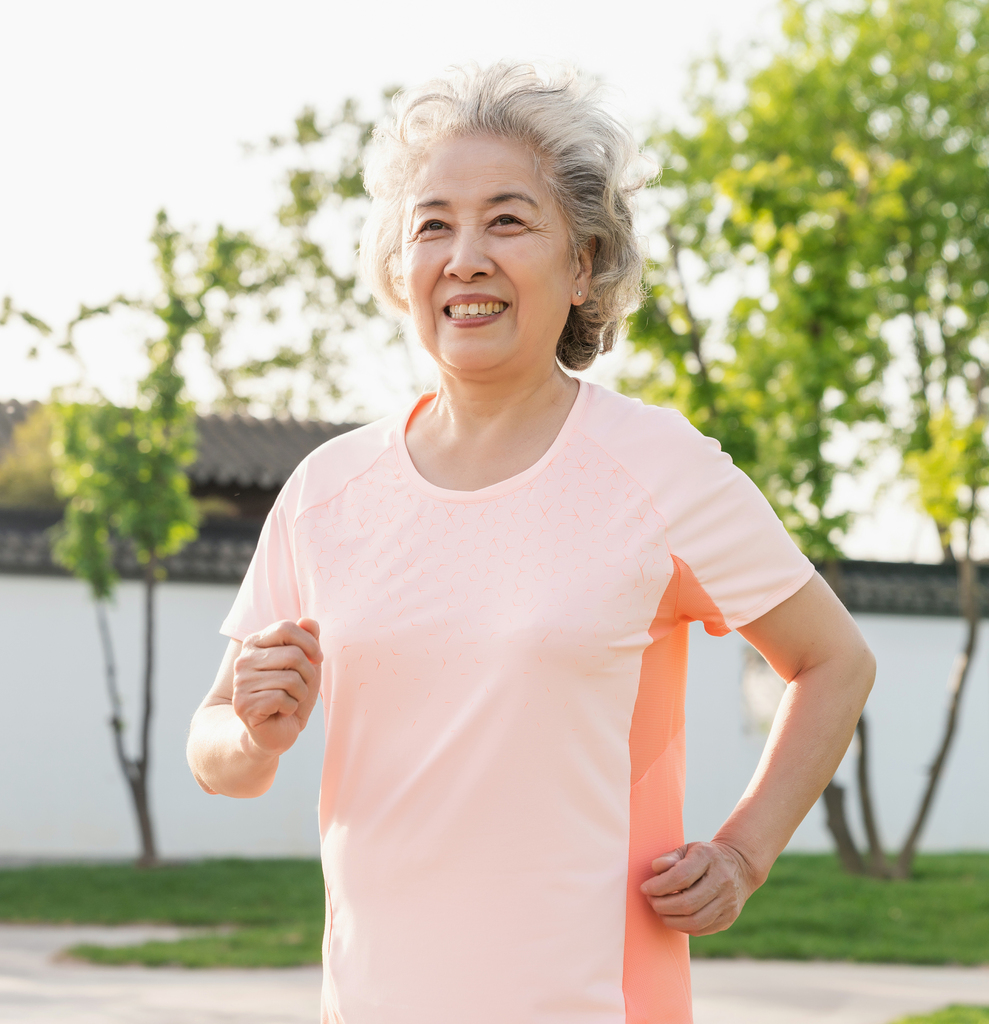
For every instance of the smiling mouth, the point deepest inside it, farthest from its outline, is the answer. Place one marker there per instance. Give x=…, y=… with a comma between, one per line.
x=474, y=310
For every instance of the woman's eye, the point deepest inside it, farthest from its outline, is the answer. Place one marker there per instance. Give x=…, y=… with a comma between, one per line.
x=505, y=220
x=433, y=225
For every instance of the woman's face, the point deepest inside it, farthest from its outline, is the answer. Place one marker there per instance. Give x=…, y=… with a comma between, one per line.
x=486, y=260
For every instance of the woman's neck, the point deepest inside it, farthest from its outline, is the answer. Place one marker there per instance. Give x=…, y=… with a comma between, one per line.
x=473, y=434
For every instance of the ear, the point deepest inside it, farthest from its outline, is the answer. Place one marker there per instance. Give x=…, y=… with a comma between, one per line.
x=585, y=264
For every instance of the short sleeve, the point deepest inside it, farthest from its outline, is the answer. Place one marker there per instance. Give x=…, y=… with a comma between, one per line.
x=725, y=534
x=270, y=591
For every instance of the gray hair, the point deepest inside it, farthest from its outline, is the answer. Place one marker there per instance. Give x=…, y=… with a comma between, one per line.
x=585, y=152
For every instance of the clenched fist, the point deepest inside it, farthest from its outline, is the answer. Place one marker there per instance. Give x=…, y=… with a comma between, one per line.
x=275, y=683
x=700, y=888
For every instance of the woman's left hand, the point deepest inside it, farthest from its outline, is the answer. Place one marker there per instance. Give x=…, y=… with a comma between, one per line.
x=700, y=888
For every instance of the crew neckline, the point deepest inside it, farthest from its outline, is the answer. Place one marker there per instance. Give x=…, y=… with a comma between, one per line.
x=503, y=487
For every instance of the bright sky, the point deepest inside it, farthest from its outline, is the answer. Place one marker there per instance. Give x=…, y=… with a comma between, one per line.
x=112, y=110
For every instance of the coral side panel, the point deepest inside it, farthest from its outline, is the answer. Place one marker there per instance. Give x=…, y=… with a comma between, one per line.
x=656, y=974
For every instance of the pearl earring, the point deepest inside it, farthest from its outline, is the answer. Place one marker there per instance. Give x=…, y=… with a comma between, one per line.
x=579, y=293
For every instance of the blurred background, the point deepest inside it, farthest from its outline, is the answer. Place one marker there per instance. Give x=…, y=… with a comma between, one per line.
x=180, y=204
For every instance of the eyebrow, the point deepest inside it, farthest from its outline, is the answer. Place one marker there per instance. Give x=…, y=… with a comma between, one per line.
x=501, y=197
x=504, y=197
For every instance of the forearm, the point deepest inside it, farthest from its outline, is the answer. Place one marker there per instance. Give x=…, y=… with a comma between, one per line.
x=812, y=640
x=811, y=732
x=222, y=756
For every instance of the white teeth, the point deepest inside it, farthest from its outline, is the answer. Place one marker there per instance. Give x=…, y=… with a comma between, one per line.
x=465, y=310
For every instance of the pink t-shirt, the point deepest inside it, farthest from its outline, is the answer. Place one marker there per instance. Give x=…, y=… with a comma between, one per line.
x=503, y=690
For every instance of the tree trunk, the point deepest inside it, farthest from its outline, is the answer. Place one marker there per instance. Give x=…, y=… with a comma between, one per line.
x=116, y=705
x=135, y=770
x=139, y=786
x=834, y=805
x=878, y=865
x=968, y=599
x=139, y=793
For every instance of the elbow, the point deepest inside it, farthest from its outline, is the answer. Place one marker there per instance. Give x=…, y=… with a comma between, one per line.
x=215, y=775
x=194, y=762
x=866, y=672
x=203, y=785
x=198, y=750
x=871, y=665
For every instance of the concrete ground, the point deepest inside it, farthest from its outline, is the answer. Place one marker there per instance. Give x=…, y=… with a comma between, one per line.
x=787, y=992
x=36, y=986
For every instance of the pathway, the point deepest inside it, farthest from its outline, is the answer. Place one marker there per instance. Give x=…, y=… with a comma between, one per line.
x=38, y=988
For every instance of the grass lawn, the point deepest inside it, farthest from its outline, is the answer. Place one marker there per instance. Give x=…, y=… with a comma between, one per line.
x=276, y=907
x=266, y=946
x=808, y=909
x=952, y=1015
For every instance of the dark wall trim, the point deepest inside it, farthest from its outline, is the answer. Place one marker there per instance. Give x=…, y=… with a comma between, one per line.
x=901, y=588
x=220, y=555
x=225, y=546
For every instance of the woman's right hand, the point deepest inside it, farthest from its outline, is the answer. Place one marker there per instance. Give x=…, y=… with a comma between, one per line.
x=276, y=681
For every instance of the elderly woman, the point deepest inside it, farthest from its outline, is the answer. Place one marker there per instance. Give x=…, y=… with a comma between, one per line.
x=491, y=592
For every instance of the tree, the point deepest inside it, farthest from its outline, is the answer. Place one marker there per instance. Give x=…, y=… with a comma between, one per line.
x=304, y=273
x=121, y=470
x=122, y=473
x=952, y=475
x=26, y=467
x=302, y=276
x=789, y=369
x=850, y=182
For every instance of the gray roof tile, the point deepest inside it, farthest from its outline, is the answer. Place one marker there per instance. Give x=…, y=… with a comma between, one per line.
x=241, y=451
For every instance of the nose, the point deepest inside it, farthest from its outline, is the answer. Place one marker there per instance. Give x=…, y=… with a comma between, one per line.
x=468, y=258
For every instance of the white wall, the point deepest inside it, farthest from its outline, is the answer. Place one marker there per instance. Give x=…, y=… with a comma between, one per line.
x=62, y=793
x=906, y=714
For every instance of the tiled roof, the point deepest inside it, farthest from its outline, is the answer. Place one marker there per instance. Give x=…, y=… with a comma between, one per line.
x=224, y=549
x=237, y=451
x=244, y=451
